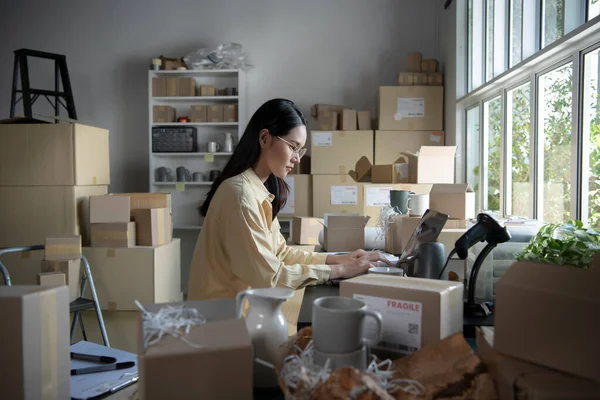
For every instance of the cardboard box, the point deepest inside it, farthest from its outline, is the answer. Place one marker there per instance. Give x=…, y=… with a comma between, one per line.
x=153, y=227
x=389, y=145
x=163, y=114
x=543, y=316
x=199, y=113
x=434, y=164
x=430, y=65
x=214, y=113
x=416, y=312
x=42, y=154
x=448, y=238
x=34, y=342
x=107, y=209
x=317, y=109
x=187, y=87
x=148, y=274
x=454, y=223
x=406, y=79
x=52, y=279
x=159, y=87
x=411, y=108
x=230, y=113
x=456, y=200
x=225, y=351
x=300, y=197
x=420, y=79
x=348, y=120
x=517, y=379
x=413, y=62
x=364, y=120
x=399, y=232
x=337, y=152
x=387, y=174
x=435, y=79
x=23, y=266
x=306, y=231
x=207, y=90
x=72, y=271
x=328, y=120
x=172, y=63
x=63, y=248
x=341, y=194
x=172, y=87
x=114, y=234
x=142, y=201
x=30, y=214
x=344, y=232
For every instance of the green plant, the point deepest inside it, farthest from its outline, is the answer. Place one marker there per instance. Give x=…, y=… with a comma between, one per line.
x=568, y=243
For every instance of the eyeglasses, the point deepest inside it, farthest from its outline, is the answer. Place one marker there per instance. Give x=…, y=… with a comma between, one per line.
x=299, y=151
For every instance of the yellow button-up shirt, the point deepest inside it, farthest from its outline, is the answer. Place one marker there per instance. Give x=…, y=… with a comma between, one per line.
x=240, y=246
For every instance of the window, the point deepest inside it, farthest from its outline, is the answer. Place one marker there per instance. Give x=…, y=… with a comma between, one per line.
x=489, y=40
x=593, y=9
x=475, y=44
x=516, y=32
x=591, y=140
x=519, y=158
x=555, y=98
x=492, y=115
x=473, y=150
x=552, y=21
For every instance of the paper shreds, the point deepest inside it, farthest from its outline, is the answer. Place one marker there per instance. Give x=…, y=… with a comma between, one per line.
x=174, y=320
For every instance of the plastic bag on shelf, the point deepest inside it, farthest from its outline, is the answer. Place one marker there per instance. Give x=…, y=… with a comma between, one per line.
x=225, y=56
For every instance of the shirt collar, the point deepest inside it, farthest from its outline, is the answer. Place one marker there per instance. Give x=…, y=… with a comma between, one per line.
x=258, y=185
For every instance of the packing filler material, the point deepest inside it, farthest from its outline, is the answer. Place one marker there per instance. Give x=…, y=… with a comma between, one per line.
x=415, y=311
x=34, y=342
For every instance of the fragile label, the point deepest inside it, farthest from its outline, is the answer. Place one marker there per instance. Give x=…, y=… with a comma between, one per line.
x=410, y=107
x=436, y=137
x=344, y=195
x=290, y=204
x=402, y=323
x=322, y=139
x=378, y=196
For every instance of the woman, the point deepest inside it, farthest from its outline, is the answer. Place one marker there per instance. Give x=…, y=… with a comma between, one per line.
x=240, y=244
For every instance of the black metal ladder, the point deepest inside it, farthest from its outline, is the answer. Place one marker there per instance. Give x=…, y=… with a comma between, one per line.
x=29, y=95
x=77, y=305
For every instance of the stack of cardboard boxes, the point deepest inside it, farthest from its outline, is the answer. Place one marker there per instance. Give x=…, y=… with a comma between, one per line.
x=62, y=264
x=135, y=258
x=47, y=174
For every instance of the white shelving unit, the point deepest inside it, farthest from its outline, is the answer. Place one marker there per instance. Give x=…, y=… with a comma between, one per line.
x=187, y=197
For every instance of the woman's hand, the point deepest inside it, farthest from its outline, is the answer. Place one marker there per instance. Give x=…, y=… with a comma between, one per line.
x=373, y=256
x=351, y=269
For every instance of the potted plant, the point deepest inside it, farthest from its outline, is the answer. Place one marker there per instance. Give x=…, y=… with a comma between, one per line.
x=569, y=243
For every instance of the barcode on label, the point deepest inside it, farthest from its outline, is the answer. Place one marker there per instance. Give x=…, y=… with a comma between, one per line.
x=398, y=346
x=413, y=328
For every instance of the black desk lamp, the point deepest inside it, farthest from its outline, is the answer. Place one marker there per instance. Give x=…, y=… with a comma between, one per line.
x=486, y=230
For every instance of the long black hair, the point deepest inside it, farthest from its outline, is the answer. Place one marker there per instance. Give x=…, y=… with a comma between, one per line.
x=279, y=117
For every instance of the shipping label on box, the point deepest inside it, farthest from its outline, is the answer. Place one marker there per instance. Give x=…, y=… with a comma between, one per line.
x=377, y=196
x=344, y=195
x=322, y=139
x=416, y=311
x=411, y=108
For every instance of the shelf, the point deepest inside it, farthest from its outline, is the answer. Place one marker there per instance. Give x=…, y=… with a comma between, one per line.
x=190, y=154
x=187, y=227
x=195, y=98
x=196, y=72
x=186, y=183
x=197, y=124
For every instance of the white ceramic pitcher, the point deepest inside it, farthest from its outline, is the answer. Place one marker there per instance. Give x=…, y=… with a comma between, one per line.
x=267, y=327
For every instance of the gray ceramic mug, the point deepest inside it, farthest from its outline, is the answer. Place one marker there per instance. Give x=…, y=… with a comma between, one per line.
x=337, y=324
x=399, y=200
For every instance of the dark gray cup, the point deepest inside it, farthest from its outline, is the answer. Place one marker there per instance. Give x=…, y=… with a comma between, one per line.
x=399, y=200
x=429, y=261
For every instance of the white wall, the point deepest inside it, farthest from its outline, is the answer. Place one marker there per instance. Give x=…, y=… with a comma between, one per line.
x=310, y=51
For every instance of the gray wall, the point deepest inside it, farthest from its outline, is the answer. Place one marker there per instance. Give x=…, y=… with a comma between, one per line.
x=310, y=51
